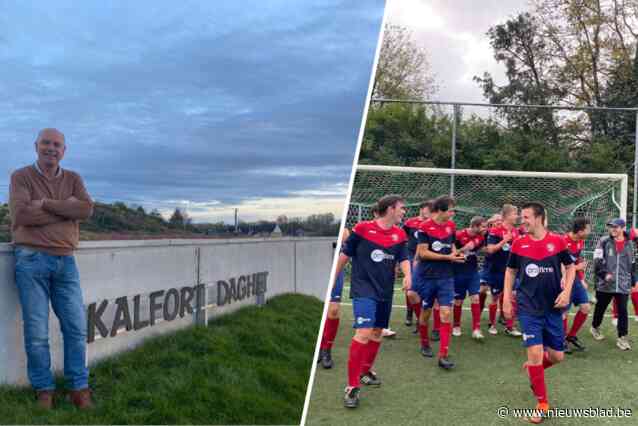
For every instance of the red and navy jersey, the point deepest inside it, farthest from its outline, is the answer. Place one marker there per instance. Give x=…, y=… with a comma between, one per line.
x=411, y=228
x=470, y=266
x=575, y=249
x=498, y=261
x=374, y=252
x=538, y=264
x=440, y=239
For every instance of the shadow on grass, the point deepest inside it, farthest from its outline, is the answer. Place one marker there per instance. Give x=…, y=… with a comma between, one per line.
x=249, y=367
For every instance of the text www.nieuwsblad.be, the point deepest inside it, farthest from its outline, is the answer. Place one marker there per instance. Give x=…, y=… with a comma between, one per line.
x=558, y=412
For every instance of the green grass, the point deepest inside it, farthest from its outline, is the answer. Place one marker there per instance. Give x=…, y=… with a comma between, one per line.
x=250, y=367
x=488, y=375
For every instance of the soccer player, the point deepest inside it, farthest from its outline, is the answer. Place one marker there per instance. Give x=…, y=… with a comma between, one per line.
x=499, y=242
x=331, y=326
x=614, y=266
x=375, y=248
x=434, y=275
x=575, y=240
x=495, y=220
x=411, y=228
x=466, y=277
x=539, y=256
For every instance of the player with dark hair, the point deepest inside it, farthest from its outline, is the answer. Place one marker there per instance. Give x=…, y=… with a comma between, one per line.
x=499, y=243
x=466, y=277
x=575, y=240
x=434, y=276
x=331, y=325
x=375, y=248
x=411, y=228
x=538, y=258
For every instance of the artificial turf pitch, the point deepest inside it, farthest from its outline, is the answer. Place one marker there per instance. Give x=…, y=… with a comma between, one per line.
x=248, y=367
x=487, y=376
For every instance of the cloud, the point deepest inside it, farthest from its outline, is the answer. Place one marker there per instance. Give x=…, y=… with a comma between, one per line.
x=167, y=101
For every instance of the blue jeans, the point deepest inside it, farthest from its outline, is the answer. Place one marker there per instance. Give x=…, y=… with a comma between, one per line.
x=41, y=278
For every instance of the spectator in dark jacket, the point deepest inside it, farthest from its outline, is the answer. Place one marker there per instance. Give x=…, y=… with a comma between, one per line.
x=614, y=266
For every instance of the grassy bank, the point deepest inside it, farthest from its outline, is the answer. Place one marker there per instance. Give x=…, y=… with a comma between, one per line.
x=250, y=367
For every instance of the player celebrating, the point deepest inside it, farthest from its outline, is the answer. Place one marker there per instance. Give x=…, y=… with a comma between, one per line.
x=575, y=240
x=539, y=256
x=331, y=326
x=375, y=248
x=499, y=242
x=466, y=277
x=434, y=274
x=411, y=228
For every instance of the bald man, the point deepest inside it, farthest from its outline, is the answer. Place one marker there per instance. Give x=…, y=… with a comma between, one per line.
x=46, y=204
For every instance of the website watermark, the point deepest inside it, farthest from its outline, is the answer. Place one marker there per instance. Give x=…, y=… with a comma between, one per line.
x=563, y=413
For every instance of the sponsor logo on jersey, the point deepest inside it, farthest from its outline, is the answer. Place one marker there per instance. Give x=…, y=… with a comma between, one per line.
x=361, y=320
x=395, y=237
x=550, y=247
x=438, y=246
x=379, y=256
x=448, y=229
x=533, y=270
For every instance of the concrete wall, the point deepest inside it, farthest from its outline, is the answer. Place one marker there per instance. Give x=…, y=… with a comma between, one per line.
x=112, y=269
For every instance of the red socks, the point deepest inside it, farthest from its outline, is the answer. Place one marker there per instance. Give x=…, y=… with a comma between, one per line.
x=423, y=332
x=356, y=359
x=371, y=354
x=436, y=312
x=537, y=379
x=476, y=316
x=482, y=299
x=457, y=315
x=634, y=301
x=416, y=307
x=579, y=320
x=546, y=361
x=446, y=332
x=492, y=308
x=329, y=333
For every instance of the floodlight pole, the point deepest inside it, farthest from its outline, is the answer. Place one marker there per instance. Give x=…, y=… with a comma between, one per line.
x=453, y=165
x=633, y=212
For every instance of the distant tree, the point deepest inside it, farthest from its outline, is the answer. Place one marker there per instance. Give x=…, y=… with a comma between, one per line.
x=403, y=71
x=176, y=219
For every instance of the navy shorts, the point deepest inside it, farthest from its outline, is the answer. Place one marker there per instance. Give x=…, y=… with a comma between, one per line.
x=466, y=284
x=483, y=276
x=579, y=294
x=546, y=330
x=441, y=289
x=337, y=289
x=496, y=282
x=371, y=313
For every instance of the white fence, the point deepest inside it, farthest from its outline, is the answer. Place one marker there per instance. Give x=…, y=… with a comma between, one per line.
x=137, y=289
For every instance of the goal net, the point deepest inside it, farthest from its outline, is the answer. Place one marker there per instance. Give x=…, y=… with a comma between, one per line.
x=599, y=197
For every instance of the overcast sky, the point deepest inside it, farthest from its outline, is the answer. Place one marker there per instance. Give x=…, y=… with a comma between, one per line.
x=453, y=35
x=200, y=104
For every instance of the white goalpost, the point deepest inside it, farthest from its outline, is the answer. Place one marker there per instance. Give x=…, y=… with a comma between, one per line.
x=599, y=197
